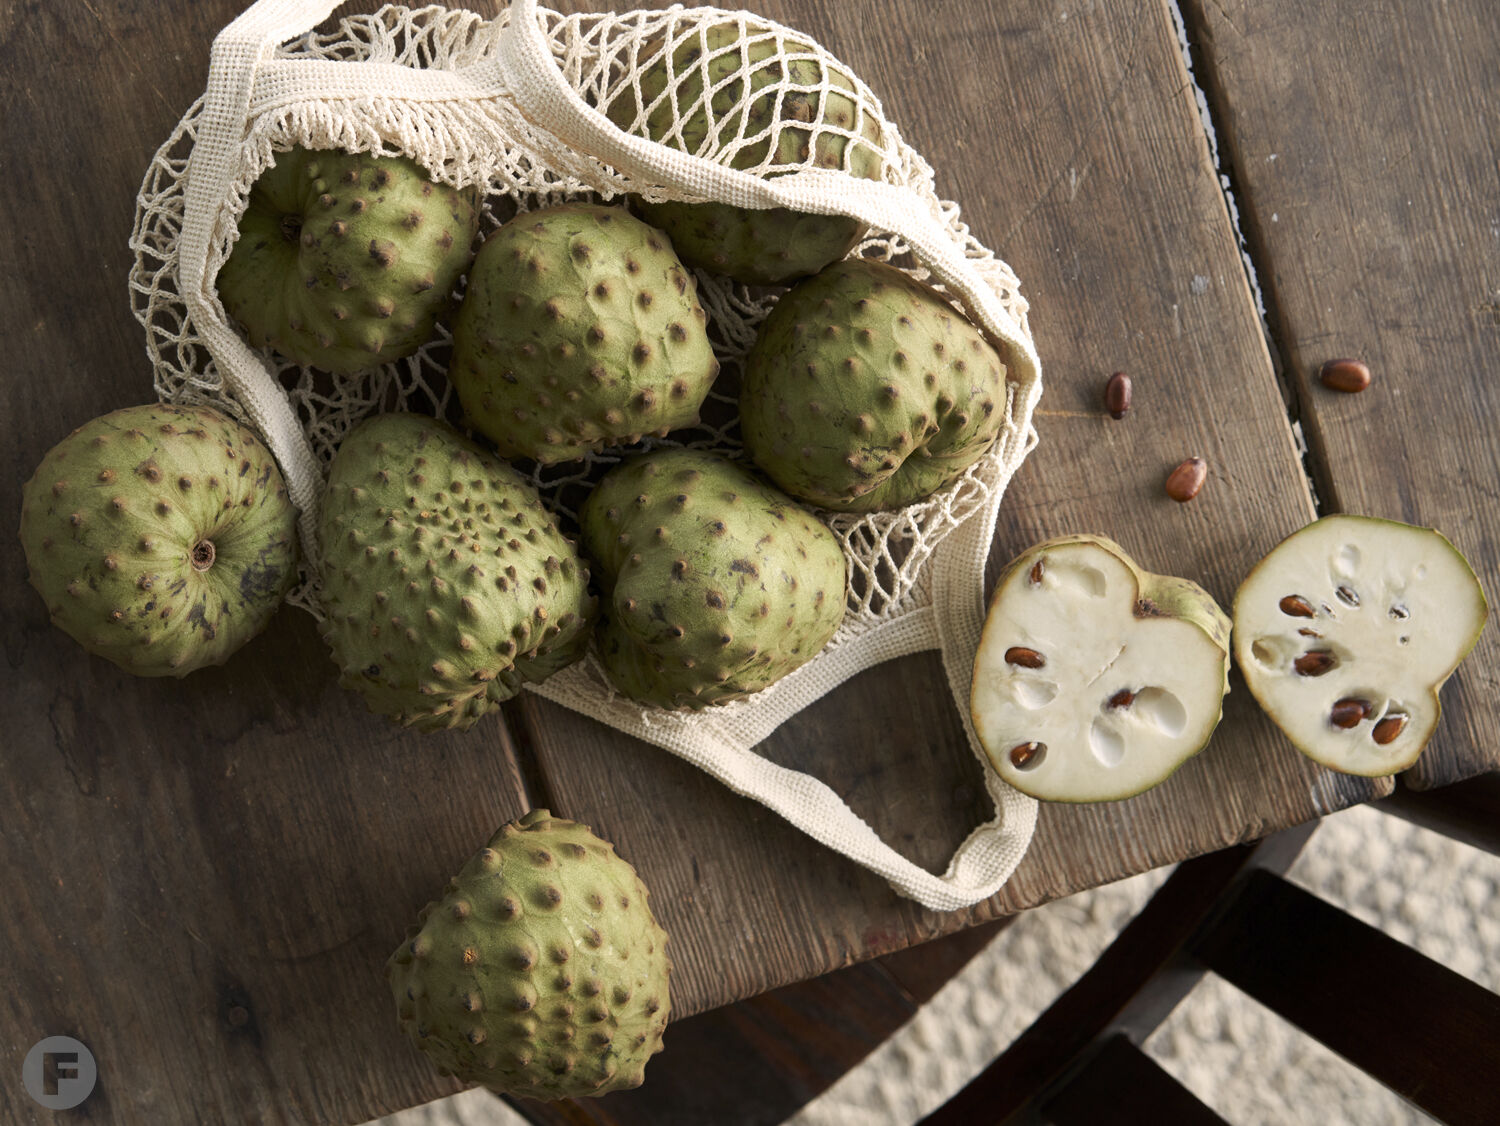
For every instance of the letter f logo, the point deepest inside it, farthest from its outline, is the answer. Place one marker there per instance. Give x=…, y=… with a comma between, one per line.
x=59, y=1072
x=55, y=1066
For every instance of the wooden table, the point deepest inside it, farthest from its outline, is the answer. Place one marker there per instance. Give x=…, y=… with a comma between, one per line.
x=202, y=879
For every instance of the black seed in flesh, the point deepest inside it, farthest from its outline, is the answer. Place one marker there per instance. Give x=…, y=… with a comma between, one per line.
x=1315, y=662
x=1294, y=606
x=1347, y=713
x=1026, y=755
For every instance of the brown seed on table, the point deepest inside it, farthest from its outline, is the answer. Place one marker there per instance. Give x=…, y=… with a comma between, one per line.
x=1348, y=376
x=1026, y=658
x=1117, y=395
x=1315, y=662
x=1295, y=606
x=1184, y=482
x=1347, y=713
x=1388, y=728
x=1025, y=754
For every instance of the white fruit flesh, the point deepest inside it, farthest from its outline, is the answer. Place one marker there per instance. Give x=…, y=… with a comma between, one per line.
x=1131, y=682
x=1346, y=631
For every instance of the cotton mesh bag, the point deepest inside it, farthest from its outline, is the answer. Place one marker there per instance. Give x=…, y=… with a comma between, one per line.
x=516, y=106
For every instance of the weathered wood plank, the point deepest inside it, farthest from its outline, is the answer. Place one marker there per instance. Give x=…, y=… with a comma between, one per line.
x=1073, y=142
x=1366, y=143
x=264, y=841
x=202, y=878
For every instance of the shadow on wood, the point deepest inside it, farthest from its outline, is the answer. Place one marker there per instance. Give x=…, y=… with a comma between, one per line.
x=756, y=1062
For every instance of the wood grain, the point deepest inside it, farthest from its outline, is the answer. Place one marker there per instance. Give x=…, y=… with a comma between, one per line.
x=203, y=878
x=1076, y=149
x=1366, y=145
x=206, y=876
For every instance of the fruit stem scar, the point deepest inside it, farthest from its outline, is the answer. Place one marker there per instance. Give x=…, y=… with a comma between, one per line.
x=203, y=555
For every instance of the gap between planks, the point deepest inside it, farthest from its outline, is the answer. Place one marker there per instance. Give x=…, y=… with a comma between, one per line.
x=1190, y=23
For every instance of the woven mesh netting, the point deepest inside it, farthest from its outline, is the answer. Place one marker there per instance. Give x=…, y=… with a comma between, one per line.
x=447, y=89
x=743, y=91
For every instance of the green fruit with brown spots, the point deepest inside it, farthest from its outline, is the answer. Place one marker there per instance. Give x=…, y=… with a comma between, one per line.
x=161, y=537
x=580, y=330
x=715, y=585
x=345, y=261
x=446, y=583
x=867, y=390
x=541, y=971
x=755, y=85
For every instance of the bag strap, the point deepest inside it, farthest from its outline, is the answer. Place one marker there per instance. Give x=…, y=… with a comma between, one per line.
x=237, y=52
x=242, y=72
x=984, y=861
x=549, y=101
x=721, y=742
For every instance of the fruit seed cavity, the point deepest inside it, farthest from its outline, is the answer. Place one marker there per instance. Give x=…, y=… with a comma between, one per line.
x=1347, y=713
x=1295, y=606
x=1027, y=756
x=1315, y=662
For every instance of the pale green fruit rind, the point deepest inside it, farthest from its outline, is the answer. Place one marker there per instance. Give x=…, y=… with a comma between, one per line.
x=1155, y=597
x=716, y=585
x=541, y=972
x=446, y=582
x=346, y=261
x=1168, y=596
x=759, y=247
x=113, y=517
x=866, y=390
x=1463, y=598
x=580, y=330
x=773, y=246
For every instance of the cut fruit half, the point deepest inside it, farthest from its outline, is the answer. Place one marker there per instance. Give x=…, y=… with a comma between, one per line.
x=1346, y=631
x=1095, y=680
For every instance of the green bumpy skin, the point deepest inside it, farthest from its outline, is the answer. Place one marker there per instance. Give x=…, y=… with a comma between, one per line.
x=756, y=246
x=346, y=261
x=446, y=583
x=716, y=586
x=580, y=330
x=541, y=972
x=866, y=390
x=161, y=537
